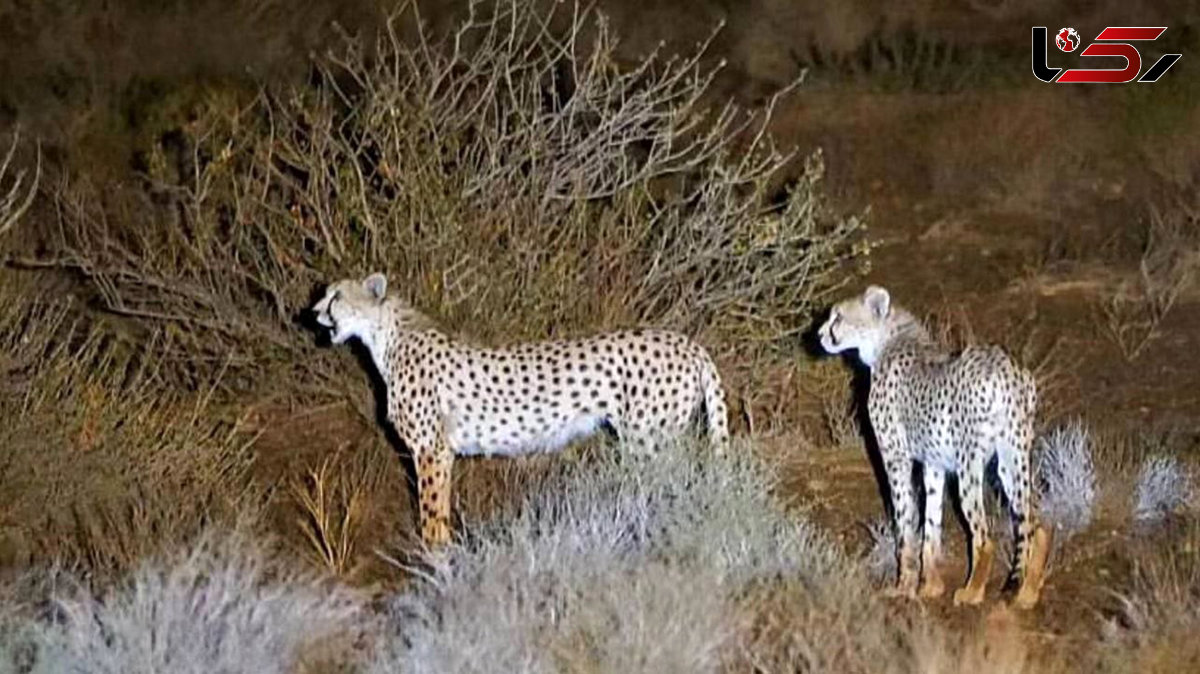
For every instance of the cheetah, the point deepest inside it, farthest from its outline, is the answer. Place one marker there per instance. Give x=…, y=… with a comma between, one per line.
x=951, y=414
x=447, y=398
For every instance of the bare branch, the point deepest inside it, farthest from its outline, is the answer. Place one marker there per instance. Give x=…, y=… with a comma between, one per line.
x=20, y=194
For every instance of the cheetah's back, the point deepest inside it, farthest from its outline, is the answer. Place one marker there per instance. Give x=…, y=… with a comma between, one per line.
x=947, y=402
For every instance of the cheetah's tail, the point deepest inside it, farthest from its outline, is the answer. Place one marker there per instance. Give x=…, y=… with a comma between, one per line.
x=714, y=403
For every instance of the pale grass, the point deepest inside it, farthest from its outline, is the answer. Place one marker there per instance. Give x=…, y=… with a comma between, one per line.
x=1163, y=489
x=1155, y=623
x=1066, y=474
x=224, y=603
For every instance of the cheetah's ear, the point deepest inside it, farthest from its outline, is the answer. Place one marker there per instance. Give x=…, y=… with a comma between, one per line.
x=878, y=301
x=376, y=285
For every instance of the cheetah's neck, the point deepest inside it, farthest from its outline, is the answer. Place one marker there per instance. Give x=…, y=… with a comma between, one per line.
x=384, y=339
x=380, y=343
x=902, y=330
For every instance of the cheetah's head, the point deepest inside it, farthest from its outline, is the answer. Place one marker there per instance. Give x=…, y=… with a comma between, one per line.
x=353, y=307
x=859, y=323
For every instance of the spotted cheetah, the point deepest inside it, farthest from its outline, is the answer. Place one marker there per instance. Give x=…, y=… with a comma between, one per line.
x=952, y=414
x=448, y=398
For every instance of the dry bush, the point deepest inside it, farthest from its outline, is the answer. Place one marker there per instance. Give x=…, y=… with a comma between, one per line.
x=514, y=180
x=1154, y=627
x=828, y=387
x=112, y=461
x=880, y=558
x=17, y=189
x=1144, y=473
x=221, y=605
x=680, y=564
x=1169, y=263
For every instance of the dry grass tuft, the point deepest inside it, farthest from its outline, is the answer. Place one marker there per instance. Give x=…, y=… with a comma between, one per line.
x=1155, y=623
x=615, y=564
x=829, y=387
x=333, y=502
x=881, y=559
x=1066, y=476
x=221, y=604
x=1163, y=490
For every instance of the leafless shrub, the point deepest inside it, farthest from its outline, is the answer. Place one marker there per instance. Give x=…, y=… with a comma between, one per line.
x=1170, y=259
x=1067, y=477
x=828, y=387
x=511, y=178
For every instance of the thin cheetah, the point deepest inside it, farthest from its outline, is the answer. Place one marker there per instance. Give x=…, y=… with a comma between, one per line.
x=448, y=398
x=952, y=414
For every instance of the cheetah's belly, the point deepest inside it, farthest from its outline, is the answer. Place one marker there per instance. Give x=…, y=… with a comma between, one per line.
x=508, y=425
x=934, y=438
x=508, y=440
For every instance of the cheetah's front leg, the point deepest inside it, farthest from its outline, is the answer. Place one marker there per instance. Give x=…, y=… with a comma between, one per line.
x=434, y=467
x=904, y=513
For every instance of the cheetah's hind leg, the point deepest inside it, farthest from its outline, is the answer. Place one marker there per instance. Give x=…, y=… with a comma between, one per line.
x=983, y=550
x=1035, y=569
x=932, y=586
x=1031, y=541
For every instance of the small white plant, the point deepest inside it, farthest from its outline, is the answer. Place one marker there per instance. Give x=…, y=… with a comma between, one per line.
x=881, y=556
x=1067, y=477
x=1163, y=489
x=613, y=566
x=223, y=606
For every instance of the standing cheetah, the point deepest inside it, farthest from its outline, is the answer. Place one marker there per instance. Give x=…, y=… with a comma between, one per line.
x=447, y=398
x=952, y=414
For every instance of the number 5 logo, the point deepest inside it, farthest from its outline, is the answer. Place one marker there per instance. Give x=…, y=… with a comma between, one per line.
x=1119, y=37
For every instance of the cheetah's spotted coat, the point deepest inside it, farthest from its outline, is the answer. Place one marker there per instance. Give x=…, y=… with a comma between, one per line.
x=448, y=398
x=952, y=414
